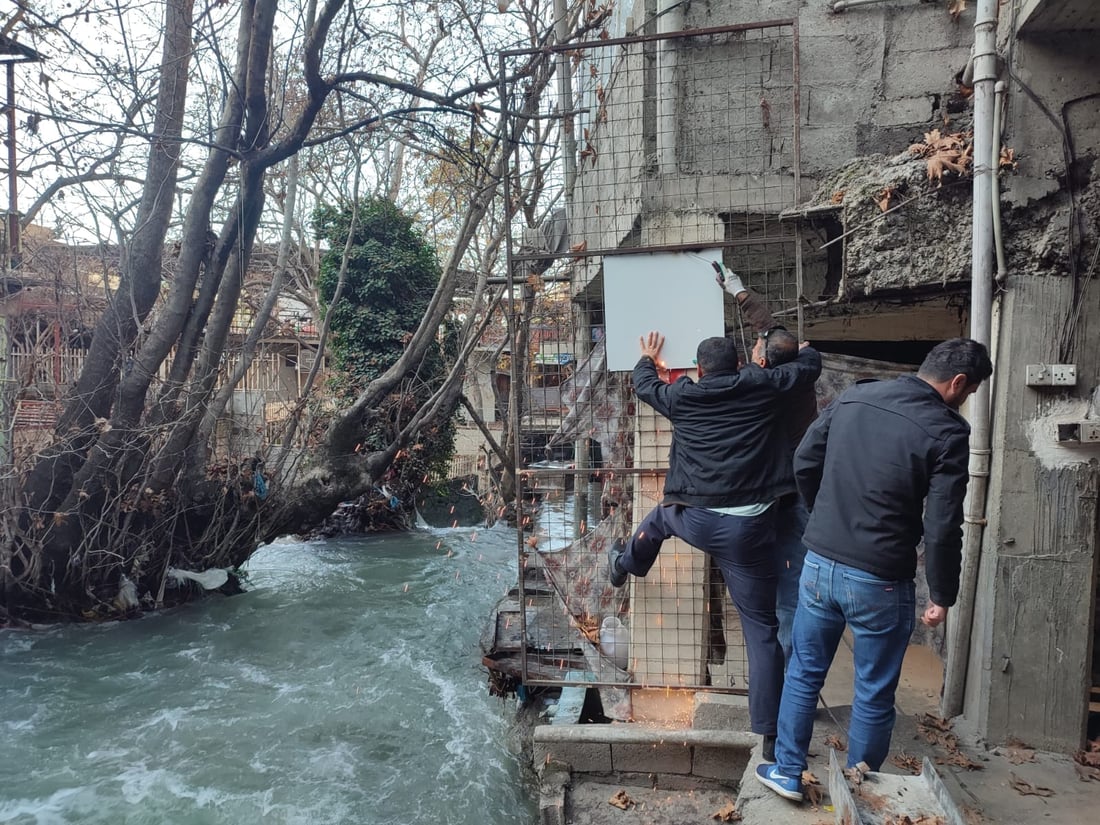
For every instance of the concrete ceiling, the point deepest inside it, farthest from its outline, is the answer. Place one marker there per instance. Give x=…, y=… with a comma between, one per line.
x=1051, y=16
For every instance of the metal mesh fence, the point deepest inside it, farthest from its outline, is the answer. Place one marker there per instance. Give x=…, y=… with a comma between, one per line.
x=672, y=143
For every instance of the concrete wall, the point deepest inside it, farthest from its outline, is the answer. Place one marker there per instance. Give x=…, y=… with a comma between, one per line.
x=1034, y=629
x=872, y=81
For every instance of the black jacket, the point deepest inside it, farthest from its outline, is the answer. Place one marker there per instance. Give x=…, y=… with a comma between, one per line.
x=726, y=448
x=885, y=463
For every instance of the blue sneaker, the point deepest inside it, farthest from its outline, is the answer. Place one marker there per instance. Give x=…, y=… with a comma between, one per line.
x=786, y=786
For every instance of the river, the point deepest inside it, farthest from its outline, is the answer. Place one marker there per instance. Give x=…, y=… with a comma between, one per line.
x=344, y=687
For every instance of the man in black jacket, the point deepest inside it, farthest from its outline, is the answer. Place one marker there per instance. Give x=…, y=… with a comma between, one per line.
x=776, y=346
x=884, y=464
x=728, y=464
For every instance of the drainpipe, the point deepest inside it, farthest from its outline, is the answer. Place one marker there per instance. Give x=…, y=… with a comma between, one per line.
x=565, y=104
x=841, y=5
x=995, y=160
x=961, y=618
x=670, y=19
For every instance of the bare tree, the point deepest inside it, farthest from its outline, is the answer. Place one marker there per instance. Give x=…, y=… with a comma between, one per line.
x=125, y=492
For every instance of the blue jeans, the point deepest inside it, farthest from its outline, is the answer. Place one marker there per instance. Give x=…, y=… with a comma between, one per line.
x=881, y=615
x=791, y=521
x=743, y=549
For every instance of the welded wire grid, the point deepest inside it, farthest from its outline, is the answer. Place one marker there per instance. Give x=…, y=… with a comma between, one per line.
x=683, y=142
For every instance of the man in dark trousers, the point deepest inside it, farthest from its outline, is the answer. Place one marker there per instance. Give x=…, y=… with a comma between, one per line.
x=774, y=347
x=884, y=464
x=727, y=466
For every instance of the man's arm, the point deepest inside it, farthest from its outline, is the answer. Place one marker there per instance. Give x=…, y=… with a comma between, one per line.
x=648, y=385
x=943, y=517
x=796, y=374
x=809, y=457
x=752, y=307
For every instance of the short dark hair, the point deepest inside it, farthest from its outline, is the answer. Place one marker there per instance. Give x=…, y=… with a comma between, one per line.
x=958, y=356
x=780, y=346
x=717, y=355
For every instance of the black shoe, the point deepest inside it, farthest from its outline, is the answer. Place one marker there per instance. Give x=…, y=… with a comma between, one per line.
x=767, y=749
x=615, y=570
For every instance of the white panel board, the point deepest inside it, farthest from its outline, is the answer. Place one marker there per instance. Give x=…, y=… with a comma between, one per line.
x=671, y=292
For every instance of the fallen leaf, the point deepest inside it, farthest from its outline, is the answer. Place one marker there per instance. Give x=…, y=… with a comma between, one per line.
x=856, y=774
x=620, y=800
x=727, y=814
x=579, y=247
x=835, y=742
x=960, y=760
x=972, y=816
x=955, y=8
x=884, y=196
x=1089, y=758
x=1025, y=788
x=838, y=196
x=908, y=763
x=1085, y=773
x=927, y=719
x=811, y=789
x=1017, y=752
x=1008, y=159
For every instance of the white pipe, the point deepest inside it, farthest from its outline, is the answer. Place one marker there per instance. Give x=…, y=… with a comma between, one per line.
x=995, y=161
x=841, y=5
x=961, y=617
x=565, y=105
x=670, y=20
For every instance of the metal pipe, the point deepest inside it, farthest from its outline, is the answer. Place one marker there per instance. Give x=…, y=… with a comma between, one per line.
x=841, y=5
x=961, y=618
x=995, y=162
x=565, y=105
x=14, y=245
x=671, y=20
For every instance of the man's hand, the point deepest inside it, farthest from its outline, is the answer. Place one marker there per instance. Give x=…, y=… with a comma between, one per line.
x=651, y=346
x=803, y=345
x=933, y=615
x=729, y=281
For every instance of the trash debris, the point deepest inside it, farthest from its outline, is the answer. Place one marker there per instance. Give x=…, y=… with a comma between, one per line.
x=210, y=579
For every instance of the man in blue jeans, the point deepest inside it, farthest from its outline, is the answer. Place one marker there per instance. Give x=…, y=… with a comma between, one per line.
x=728, y=464
x=885, y=463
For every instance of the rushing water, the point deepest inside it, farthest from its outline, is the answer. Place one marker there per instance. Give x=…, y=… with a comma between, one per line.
x=344, y=687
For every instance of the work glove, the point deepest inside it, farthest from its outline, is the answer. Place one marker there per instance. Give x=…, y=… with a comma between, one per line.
x=728, y=280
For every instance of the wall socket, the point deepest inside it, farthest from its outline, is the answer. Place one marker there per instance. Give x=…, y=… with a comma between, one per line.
x=1089, y=432
x=1079, y=432
x=1051, y=375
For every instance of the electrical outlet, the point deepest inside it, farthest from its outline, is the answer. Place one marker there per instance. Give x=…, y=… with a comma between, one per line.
x=1089, y=432
x=1063, y=375
x=1051, y=375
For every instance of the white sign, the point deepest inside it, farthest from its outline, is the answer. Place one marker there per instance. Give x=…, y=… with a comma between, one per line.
x=673, y=293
